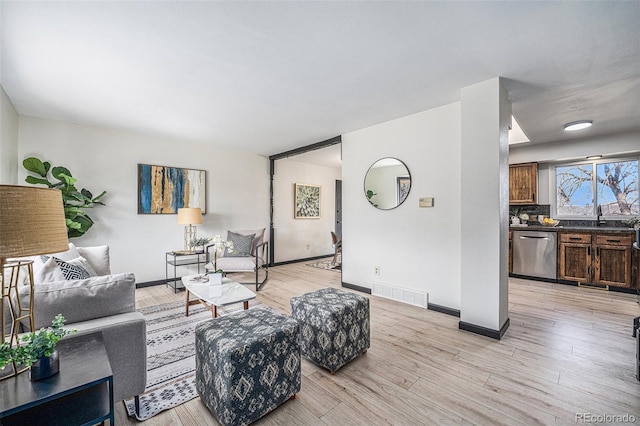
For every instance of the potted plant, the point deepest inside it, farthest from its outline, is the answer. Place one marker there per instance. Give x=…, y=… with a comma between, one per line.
x=199, y=243
x=219, y=245
x=515, y=219
x=37, y=350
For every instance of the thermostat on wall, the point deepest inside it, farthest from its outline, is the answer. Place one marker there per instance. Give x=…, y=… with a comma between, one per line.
x=426, y=202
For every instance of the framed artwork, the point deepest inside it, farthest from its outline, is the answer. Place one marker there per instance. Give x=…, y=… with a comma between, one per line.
x=403, y=186
x=164, y=189
x=307, y=201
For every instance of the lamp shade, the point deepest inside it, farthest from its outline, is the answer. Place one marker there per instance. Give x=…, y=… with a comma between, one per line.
x=190, y=216
x=32, y=221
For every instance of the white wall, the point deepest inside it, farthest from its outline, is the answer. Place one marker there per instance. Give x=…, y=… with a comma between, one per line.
x=106, y=159
x=415, y=248
x=486, y=116
x=8, y=140
x=302, y=238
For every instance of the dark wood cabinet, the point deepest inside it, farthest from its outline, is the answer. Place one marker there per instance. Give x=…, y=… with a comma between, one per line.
x=523, y=183
x=613, y=260
x=603, y=259
x=574, y=263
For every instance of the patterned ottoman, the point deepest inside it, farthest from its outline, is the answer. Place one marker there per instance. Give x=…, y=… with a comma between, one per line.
x=334, y=326
x=247, y=364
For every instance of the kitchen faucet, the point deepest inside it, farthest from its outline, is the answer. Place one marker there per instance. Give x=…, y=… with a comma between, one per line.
x=600, y=221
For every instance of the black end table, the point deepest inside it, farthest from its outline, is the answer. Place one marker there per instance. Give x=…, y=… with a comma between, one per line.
x=80, y=394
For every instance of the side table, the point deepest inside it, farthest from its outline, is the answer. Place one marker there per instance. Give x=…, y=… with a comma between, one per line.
x=81, y=393
x=175, y=259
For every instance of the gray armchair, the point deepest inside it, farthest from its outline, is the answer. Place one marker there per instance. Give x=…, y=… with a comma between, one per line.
x=250, y=254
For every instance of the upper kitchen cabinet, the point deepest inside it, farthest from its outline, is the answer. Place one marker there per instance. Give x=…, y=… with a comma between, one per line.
x=523, y=183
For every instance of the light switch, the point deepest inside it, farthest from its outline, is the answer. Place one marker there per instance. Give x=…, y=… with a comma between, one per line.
x=426, y=202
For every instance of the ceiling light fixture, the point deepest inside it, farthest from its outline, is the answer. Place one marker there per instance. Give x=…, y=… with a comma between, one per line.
x=578, y=125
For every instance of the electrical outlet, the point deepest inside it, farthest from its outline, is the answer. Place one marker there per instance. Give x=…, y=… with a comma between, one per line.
x=377, y=270
x=308, y=246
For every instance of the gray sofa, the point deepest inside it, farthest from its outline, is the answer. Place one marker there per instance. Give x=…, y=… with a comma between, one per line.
x=106, y=303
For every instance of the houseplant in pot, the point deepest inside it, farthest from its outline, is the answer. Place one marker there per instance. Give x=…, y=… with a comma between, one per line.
x=37, y=350
x=219, y=246
x=198, y=244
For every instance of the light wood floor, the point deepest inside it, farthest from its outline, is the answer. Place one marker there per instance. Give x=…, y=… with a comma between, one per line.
x=568, y=350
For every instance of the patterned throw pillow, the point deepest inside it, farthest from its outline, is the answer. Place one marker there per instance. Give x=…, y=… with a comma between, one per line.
x=70, y=272
x=241, y=244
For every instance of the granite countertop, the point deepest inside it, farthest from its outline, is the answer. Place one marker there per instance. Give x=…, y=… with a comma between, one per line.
x=560, y=228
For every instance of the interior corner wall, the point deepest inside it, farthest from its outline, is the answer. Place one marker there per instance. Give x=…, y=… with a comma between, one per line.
x=415, y=248
x=8, y=140
x=303, y=238
x=106, y=159
x=485, y=181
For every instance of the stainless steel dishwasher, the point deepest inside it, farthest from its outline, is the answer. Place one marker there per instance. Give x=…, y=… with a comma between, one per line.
x=535, y=254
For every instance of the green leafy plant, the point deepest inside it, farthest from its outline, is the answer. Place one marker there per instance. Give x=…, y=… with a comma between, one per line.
x=200, y=242
x=515, y=212
x=633, y=222
x=78, y=221
x=370, y=195
x=34, y=345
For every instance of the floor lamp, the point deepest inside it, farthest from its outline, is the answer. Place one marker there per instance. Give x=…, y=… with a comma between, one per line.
x=189, y=217
x=32, y=223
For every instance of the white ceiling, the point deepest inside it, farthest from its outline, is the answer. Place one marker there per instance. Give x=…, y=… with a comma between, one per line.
x=272, y=76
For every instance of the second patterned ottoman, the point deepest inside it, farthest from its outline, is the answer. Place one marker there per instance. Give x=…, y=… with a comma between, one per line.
x=247, y=364
x=334, y=326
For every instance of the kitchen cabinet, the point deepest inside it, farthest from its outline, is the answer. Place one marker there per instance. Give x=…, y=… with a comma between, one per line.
x=603, y=259
x=575, y=257
x=523, y=183
x=613, y=260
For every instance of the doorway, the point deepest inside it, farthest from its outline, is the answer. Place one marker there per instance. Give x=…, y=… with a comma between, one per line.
x=294, y=238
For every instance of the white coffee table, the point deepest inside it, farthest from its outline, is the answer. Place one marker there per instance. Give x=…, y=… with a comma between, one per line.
x=214, y=296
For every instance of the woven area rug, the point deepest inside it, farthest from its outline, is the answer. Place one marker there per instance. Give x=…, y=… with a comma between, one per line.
x=326, y=264
x=171, y=359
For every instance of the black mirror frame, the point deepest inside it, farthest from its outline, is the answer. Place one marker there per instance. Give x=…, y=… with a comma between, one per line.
x=397, y=180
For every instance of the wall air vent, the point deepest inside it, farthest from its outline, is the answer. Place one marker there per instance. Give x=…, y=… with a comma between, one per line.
x=405, y=295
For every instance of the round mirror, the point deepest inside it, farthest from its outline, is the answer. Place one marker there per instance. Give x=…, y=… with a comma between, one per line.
x=387, y=183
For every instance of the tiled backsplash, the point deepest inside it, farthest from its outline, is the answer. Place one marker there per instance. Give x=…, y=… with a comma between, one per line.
x=531, y=209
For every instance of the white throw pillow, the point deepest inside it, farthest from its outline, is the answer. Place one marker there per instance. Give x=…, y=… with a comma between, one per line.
x=98, y=257
x=72, y=253
x=47, y=273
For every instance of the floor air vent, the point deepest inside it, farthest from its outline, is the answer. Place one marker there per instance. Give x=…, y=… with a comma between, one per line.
x=412, y=297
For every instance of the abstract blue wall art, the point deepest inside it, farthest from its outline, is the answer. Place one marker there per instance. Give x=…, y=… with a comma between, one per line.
x=163, y=189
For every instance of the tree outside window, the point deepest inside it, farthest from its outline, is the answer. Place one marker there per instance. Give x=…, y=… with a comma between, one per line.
x=615, y=185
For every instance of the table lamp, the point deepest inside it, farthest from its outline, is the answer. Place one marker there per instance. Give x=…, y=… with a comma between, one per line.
x=32, y=223
x=189, y=216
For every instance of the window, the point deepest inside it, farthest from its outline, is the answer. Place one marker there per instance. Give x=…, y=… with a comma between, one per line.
x=583, y=187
